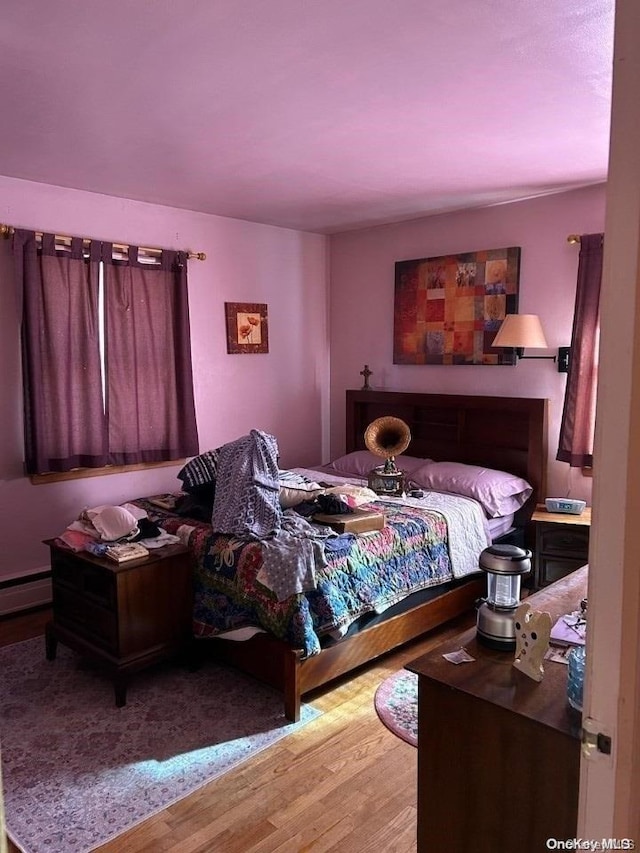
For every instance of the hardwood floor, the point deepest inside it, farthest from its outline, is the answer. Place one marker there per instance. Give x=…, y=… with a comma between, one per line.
x=343, y=782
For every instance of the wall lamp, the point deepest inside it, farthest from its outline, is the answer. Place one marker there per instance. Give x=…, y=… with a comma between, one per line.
x=525, y=330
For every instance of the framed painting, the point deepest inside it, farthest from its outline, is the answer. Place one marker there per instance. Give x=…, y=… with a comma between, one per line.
x=247, y=327
x=448, y=309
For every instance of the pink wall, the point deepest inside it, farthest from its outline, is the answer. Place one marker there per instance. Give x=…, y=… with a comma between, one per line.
x=282, y=392
x=362, y=290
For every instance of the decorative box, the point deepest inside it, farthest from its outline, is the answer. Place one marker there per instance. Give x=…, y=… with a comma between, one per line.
x=358, y=521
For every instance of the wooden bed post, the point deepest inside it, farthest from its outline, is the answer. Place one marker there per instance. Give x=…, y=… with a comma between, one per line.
x=291, y=664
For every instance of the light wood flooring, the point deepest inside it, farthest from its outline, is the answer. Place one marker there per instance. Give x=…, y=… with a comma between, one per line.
x=341, y=783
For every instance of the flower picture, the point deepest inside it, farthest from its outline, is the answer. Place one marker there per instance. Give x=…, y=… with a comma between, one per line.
x=247, y=329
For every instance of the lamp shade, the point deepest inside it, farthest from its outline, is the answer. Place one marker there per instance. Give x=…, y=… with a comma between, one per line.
x=521, y=330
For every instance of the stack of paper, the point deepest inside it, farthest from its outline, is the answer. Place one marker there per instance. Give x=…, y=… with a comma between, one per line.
x=569, y=630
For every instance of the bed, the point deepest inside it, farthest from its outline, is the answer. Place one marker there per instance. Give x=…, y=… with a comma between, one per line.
x=308, y=639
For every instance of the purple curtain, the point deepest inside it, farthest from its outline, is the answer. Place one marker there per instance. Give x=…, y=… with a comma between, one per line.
x=148, y=414
x=64, y=420
x=150, y=404
x=575, y=445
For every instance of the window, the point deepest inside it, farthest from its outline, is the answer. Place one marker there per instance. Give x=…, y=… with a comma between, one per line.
x=106, y=355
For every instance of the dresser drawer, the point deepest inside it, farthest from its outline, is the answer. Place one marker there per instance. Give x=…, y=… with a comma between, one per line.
x=565, y=541
x=85, y=617
x=552, y=569
x=85, y=579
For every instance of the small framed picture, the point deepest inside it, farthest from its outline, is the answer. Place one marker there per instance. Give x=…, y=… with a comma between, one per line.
x=247, y=327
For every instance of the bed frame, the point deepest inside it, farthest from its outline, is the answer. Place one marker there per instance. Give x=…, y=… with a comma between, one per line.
x=508, y=433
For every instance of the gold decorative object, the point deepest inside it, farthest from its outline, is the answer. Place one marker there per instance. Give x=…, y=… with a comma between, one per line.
x=387, y=437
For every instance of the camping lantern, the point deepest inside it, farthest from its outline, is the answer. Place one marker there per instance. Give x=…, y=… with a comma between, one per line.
x=504, y=565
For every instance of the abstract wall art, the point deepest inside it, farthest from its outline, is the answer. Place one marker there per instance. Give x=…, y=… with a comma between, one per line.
x=448, y=309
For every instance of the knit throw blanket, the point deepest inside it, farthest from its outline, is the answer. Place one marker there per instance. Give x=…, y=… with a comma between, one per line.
x=247, y=500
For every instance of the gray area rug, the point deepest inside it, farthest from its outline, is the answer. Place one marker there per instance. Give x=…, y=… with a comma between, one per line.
x=78, y=771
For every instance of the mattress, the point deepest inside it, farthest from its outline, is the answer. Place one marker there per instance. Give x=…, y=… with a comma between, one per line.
x=499, y=526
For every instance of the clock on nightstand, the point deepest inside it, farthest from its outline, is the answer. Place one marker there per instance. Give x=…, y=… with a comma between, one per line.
x=561, y=543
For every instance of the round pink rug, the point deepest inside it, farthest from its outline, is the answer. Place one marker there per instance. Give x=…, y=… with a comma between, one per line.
x=396, y=702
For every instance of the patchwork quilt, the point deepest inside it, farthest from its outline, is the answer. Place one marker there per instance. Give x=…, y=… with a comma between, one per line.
x=363, y=573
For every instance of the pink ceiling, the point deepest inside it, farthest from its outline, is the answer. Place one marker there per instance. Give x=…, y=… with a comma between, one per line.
x=322, y=116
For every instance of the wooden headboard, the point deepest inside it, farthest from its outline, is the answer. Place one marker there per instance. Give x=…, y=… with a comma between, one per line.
x=507, y=433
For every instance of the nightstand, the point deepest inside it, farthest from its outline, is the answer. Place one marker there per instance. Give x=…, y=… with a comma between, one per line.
x=561, y=543
x=124, y=616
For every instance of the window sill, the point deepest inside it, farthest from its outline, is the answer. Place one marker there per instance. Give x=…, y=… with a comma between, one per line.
x=82, y=473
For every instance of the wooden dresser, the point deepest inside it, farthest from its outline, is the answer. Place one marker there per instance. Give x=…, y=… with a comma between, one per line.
x=498, y=753
x=123, y=616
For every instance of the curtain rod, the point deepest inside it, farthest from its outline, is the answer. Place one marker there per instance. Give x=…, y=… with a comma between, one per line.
x=573, y=238
x=7, y=230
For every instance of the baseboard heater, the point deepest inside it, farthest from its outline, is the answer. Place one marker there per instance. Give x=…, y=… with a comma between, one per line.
x=25, y=592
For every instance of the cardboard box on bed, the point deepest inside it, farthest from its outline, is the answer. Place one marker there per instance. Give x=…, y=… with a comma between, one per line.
x=358, y=521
